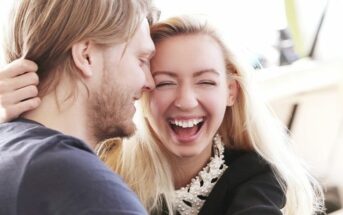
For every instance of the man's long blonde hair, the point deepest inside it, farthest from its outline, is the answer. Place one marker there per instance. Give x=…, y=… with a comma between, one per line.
x=45, y=30
x=247, y=125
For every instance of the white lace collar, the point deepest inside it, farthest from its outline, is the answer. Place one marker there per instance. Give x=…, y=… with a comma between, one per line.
x=190, y=199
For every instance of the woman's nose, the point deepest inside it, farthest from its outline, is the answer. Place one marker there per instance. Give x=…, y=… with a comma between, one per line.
x=186, y=99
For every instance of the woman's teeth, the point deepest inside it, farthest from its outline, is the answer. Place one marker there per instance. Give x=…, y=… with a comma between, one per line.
x=186, y=123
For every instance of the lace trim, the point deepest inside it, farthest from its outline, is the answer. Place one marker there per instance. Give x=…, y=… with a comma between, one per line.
x=190, y=199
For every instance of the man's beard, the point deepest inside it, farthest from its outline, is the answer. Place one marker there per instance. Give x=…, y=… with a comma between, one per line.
x=109, y=113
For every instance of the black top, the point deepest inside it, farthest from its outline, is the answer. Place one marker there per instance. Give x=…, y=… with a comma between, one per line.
x=247, y=187
x=45, y=172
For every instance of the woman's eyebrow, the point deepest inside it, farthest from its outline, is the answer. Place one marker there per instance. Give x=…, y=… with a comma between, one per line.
x=156, y=73
x=201, y=72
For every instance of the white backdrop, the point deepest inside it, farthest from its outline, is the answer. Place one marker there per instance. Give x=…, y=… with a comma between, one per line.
x=251, y=25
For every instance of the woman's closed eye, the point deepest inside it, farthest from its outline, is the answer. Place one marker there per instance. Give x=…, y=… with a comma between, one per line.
x=164, y=84
x=207, y=82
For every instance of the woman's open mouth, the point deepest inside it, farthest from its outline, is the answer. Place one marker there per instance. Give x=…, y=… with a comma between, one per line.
x=186, y=129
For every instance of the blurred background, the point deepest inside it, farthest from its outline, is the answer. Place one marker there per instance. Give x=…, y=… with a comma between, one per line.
x=296, y=49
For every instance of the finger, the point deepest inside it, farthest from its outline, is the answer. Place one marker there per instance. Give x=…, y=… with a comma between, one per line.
x=21, y=81
x=24, y=80
x=17, y=67
x=27, y=105
x=14, y=111
x=16, y=96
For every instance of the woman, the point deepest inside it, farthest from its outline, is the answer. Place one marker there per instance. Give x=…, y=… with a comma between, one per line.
x=207, y=145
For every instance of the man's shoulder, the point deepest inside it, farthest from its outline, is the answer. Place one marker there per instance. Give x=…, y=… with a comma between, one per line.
x=61, y=171
x=26, y=137
x=76, y=181
x=34, y=147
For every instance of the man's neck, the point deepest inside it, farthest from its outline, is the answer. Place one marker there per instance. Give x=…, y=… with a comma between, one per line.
x=68, y=117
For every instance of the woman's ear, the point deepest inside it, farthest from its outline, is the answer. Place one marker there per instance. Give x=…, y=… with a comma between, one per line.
x=233, y=92
x=81, y=53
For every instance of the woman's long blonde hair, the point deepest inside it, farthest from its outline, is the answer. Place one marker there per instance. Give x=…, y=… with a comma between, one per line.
x=247, y=125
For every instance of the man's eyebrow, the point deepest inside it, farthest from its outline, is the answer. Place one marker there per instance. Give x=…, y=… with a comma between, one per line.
x=163, y=73
x=201, y=72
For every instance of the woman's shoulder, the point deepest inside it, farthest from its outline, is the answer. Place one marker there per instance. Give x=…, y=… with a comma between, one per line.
x=248, y=182
x=245, y=164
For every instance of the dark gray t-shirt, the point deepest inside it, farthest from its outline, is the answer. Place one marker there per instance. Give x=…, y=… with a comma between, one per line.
x=45, y=172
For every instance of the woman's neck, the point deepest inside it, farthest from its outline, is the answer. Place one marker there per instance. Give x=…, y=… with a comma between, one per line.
x=184, y=169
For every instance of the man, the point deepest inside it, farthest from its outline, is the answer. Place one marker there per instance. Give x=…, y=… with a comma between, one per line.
x=92, y=61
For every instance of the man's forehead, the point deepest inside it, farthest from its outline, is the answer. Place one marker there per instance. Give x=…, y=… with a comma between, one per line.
x=141, y=42
x=144, y=38
x=147, y=50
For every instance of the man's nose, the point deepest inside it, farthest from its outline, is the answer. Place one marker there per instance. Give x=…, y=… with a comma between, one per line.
x=149, y=81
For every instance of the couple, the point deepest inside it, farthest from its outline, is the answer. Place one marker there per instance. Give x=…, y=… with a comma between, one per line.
x=207, y=145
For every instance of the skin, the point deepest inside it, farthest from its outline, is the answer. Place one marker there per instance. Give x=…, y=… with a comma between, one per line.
x=191, y=86
x=115, y=77
x=190, y=76
x=18, y=89
x=125, y=77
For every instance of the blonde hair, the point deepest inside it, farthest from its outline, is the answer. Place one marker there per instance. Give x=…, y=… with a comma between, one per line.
x=247, y=125
x=45, y=30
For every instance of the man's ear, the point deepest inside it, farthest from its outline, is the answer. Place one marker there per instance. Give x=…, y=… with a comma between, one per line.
x=81, y=53
x=233, y=92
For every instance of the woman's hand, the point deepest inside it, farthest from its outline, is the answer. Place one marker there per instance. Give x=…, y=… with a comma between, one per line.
x=18, y=89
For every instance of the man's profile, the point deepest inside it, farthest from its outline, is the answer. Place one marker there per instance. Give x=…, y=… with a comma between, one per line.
x=90, y=57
